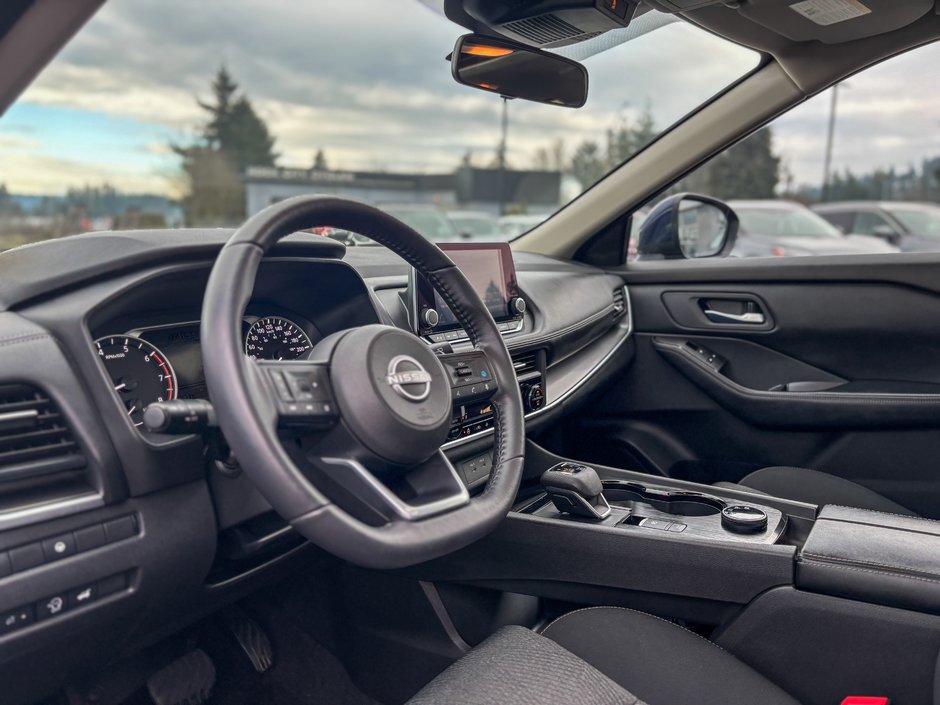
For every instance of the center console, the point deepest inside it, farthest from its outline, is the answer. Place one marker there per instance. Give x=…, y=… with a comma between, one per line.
x=574, y=492
x=490, y=268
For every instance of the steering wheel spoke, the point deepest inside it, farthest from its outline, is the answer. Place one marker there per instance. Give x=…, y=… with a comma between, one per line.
x=300, y=392
x=425, y=490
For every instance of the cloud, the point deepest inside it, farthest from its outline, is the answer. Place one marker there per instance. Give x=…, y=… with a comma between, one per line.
x=366, y=82
x=888, y=115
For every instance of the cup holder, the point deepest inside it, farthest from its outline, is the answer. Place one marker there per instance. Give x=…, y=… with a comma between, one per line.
x=687, y=504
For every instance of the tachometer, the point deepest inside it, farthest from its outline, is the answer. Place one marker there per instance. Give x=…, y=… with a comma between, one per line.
x=141, y=374
x=276, y=338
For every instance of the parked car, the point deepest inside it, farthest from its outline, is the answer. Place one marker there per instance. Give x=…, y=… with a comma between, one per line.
x=912, y=227
x=771, y=228
x=511, y=226
x=430, y=221
x=475, y=225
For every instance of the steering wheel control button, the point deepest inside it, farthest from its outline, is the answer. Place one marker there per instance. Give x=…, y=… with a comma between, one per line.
x=59, y=547
x=744, y=519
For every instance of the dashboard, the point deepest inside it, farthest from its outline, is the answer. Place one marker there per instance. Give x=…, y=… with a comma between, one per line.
x=96, y=327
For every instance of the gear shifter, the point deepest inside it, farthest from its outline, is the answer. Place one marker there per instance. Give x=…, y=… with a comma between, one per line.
x=576, y=489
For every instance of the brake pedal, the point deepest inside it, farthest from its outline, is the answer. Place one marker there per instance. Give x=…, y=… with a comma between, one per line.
x=251, y=638
x=186, y=681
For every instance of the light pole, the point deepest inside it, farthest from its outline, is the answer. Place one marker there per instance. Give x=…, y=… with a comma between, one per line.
x=827, y=164
x=501, y=157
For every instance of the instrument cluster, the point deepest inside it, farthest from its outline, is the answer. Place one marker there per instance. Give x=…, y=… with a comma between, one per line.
x=161, y=363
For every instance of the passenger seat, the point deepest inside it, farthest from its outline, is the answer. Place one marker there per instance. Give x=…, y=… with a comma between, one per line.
x=815, y=487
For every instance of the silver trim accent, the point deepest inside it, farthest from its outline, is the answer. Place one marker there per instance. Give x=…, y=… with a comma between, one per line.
x=49, y=510
x=532, y=414
x=402, y=509
x=751, y=317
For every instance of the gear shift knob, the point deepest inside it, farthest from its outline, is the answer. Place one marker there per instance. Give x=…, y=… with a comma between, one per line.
x=576, y=489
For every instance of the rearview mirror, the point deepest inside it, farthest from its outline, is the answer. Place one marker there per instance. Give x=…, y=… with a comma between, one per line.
x=518, y=71
x=688, y=226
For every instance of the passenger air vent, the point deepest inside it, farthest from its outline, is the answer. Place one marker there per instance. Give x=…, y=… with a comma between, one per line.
x=620, y=301
x=544, y=29
x=525, y=362
x=34, y=438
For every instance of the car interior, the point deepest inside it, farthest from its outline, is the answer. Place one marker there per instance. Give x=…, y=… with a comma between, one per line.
x=256, y=465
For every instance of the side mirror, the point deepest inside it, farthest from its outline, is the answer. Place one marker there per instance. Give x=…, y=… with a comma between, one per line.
x=518, y=71
x=886, y=232
x=688, y=226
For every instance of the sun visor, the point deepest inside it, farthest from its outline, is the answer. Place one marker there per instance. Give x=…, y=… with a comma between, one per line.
x=834, y=21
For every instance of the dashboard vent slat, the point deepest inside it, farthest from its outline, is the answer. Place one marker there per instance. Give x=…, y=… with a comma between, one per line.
x=620, y=301
x=524, y=362
x=34, y=438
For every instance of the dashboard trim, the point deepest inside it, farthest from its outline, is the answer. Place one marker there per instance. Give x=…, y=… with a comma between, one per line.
x=47, y=511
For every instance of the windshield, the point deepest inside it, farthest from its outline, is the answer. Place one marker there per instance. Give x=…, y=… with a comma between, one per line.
x=433, y=224
x=919, y=221
x=780, y=222
x=176, y=113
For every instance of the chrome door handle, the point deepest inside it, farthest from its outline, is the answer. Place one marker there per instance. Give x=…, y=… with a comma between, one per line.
x=754, y=318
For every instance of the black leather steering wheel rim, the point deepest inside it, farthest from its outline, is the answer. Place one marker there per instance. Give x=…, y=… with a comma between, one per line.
x=247, y=421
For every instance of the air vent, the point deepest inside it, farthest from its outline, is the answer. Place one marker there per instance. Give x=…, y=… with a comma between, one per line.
x=34, y=439
x=620, y=301
x=525, y=362
x=544, y=29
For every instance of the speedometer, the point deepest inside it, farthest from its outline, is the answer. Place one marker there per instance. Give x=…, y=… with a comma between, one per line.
x=140, y=373
x=276, y=338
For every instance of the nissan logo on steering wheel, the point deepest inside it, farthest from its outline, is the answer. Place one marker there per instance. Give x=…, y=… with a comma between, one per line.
x=408, y=378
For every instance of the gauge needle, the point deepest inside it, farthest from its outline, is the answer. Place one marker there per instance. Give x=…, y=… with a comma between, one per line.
x=121, y=386
x=132, y=410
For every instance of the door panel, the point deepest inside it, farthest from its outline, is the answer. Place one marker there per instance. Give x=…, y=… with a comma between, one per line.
x=841, y=376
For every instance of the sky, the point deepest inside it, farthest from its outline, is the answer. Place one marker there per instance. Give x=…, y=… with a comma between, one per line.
x=378, y=95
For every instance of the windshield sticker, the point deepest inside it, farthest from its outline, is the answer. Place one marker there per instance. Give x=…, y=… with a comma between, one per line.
x=827, y=12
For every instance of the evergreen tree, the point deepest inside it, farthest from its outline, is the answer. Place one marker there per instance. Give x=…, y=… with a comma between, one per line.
x=319, y=161
x=233, y=139
x=588, y=164
x=749, y=169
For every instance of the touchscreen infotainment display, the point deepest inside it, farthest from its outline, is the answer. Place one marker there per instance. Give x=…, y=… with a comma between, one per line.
x=490, y=269
x=484, y=269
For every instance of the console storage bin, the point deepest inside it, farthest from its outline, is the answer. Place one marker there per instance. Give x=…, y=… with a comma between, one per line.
x=886, y=559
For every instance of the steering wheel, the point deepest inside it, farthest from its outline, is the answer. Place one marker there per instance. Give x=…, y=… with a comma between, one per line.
x=346, y=445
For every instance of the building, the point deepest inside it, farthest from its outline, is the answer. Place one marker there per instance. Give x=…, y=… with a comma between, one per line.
x=468, y=188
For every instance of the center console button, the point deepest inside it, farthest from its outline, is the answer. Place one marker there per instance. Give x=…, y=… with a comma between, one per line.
x=661, y=524
x=743, y=519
